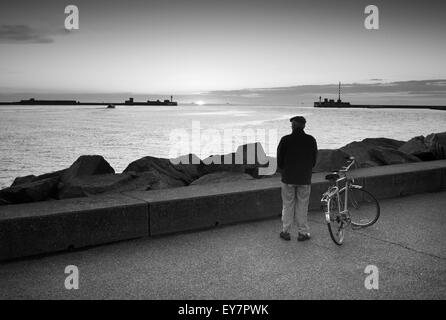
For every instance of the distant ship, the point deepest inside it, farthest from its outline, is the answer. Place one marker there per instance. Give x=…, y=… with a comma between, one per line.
x=332, y=103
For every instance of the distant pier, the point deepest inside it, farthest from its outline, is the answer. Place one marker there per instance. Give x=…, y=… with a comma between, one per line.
x=129, y=102
x=331, y=103
x=380, y=106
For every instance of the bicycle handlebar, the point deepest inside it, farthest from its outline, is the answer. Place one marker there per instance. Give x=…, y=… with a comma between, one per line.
x=352, y=162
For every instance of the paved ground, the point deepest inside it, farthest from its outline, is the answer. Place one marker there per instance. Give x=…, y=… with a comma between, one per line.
x=249, y=261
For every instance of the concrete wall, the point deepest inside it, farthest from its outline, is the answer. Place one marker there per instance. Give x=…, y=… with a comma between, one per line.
x=44, y=227
x=401, y=180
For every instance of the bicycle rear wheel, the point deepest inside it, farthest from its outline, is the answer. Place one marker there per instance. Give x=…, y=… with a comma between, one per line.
x=336, y=224
x=363, y=207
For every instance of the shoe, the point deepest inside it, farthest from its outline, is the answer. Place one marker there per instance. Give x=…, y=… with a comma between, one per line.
x=303, y=237
x=285, y=236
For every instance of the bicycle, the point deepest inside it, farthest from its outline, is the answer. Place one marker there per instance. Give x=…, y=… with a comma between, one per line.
x=347, y=205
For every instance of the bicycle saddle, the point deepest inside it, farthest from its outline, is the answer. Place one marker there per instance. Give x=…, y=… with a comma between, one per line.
x=332, y=176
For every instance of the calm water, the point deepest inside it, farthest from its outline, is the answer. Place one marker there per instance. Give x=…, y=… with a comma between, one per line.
x=40, y=139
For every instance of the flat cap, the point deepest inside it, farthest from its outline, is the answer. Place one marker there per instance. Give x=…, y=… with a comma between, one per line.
x=299, y=119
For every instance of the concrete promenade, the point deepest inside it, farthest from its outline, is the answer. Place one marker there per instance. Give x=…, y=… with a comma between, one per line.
x=249, y=261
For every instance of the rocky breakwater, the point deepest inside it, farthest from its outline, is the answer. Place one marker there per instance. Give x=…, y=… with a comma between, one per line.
x=91, y=175
x=372, y=152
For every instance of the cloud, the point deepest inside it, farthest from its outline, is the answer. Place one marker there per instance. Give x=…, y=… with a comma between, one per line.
x=406, y=87
x=22, y=34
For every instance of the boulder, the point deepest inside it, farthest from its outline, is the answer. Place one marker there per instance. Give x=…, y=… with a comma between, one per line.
x=417, y=147
x=23, y=180
x=40, y=190
x=153, y=180
x=75, y=181
x=387, y=156
x=247, y=159
x=165, y=169
x=330, y=160
x=149, y=180
x=436, y=142
x=190, y=164
x=221, y=177
x=384, y=142
x=83, y=186
x=33, y=178
x=361, y=150
x=86, y=166
x=115, y=183
x=3, y=202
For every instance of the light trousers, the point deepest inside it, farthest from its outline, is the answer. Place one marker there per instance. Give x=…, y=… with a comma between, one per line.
x=295, y=200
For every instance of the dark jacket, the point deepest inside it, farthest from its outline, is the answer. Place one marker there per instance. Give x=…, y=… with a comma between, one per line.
x=296, y=157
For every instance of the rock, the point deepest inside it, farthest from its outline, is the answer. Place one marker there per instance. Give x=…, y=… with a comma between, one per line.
x=417, y=147
x=90, y=175
x=220, y=177
x=384, y=142
x=164, y=167
x=75, y=180
x=86, y=166
x=190, y=165
x=361, y=150
x=83, y=186
x=247, y=159
x=151, y=180
x=431, y=147
x=3, y=202
x=33, y=178
x=436, y=142
x=22, y=180
x=30, y=192
x=369, y=164
x=148, y=173
x=388, y=156
x=414, y=146
x=330, y=160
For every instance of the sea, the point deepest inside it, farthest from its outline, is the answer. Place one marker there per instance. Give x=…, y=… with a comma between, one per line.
x=41, y=139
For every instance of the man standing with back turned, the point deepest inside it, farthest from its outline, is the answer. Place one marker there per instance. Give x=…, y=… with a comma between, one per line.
x=296, y=157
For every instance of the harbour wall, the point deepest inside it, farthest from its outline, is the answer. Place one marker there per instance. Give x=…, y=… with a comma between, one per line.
x=60, y=225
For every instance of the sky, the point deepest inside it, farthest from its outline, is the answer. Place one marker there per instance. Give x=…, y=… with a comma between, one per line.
x=195, y=46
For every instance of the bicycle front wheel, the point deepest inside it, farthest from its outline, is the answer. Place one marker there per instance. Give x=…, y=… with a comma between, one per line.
x=363, y=207
x=336, y=224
